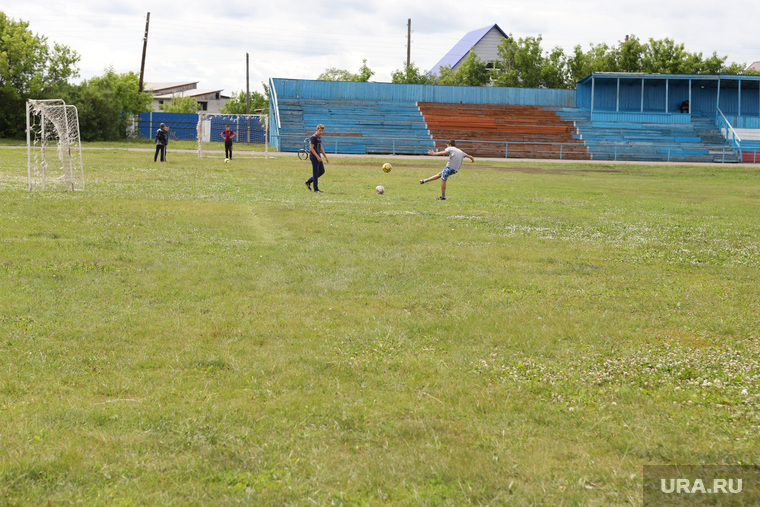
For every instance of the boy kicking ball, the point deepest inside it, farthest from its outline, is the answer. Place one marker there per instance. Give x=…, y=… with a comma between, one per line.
x=456, y=157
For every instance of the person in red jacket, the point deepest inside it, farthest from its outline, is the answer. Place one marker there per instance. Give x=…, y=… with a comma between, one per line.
x=228, y=134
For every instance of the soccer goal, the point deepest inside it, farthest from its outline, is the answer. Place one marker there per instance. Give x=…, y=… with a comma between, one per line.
x=53, y=146
x=249, y=129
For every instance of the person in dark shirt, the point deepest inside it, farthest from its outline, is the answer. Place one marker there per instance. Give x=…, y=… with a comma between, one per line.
x=161, y=142
x=316, y=155
x=228, y=134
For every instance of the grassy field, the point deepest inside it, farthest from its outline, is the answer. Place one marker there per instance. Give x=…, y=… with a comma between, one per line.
x=196, y=332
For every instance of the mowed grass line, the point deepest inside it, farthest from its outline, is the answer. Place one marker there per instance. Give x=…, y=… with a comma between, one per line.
x=198, y=332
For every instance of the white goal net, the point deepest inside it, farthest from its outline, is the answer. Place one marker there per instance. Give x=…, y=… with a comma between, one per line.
x=53, y=146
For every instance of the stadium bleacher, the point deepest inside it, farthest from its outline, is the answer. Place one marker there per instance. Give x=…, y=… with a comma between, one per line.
x=355, y=126
x=364, y=126
x=697, y=141
x=514, y=131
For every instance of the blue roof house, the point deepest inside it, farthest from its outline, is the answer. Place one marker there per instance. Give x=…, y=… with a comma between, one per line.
x=483, y=42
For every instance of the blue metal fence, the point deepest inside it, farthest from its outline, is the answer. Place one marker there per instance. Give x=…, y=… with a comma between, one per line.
x=184, y=126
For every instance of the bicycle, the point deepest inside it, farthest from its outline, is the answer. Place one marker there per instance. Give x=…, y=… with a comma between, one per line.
x=303, y=153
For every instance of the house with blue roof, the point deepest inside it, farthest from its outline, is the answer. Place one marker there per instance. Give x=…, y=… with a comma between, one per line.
x=484, y=42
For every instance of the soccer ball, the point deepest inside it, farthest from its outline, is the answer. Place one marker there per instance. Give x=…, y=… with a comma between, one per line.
x=387, y=167
x=380, y=189
x=226, y=160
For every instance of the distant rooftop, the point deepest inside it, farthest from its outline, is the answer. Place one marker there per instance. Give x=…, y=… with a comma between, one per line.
x=158, y=87
x=187, y=93
x=462, y=48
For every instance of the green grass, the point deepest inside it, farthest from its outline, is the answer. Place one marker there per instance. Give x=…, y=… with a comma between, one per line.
x=205, y=333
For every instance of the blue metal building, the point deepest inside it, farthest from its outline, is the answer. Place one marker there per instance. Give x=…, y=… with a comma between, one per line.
x=484, y=42
x=658, y=97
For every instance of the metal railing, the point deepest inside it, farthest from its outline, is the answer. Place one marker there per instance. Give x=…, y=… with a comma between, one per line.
x=402, y=145
x=729, y=133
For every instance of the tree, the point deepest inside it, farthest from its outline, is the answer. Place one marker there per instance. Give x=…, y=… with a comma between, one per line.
x=666, y=57
x=29, y=68
x=471, y=72
x=523, y=64
x=656, y=56
x=107, y=104
x=181, y=104
x=238, y=103
x=333, y=74
x=412, y=75
x=630, y=55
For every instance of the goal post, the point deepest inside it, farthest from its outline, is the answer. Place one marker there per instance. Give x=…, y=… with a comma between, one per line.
x=249, y=129
x=53, y=145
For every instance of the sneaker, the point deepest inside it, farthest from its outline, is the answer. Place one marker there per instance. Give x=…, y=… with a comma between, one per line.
x=320, y=191
x=442, y=198
x=308, y=185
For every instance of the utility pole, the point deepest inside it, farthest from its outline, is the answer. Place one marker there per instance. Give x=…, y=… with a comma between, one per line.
x=247, y=86
x=145, y=47
x=409, y=42
x=247, y=97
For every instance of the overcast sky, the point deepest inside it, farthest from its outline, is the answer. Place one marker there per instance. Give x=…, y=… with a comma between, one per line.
x=191, y=40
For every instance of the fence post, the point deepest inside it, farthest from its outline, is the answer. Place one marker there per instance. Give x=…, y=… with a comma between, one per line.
x=506, y=151
x=560, y=150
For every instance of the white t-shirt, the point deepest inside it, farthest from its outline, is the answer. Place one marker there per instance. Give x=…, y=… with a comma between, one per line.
x=456, y=157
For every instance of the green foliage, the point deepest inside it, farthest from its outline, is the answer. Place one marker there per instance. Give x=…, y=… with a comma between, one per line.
x=107, y=104
x=630, y=55
x=656, y=56
x=522, y=63
x=238, y=103
x=471, y=72
x=412, y=75
x=29, y=68
x=179, y=104
x=334, y=74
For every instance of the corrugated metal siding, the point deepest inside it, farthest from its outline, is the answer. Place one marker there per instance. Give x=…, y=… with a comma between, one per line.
x=664, y=93
x=487, y=48
x=745, y=122
x=181, y=125
x=184, y=126
x=294, y=88
x=632, y=117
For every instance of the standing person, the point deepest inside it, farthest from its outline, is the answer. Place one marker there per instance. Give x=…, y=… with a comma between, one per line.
x=160, y=143
x=456, y=157
x=316, y=154
x=228, y=134
x=166, y=140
